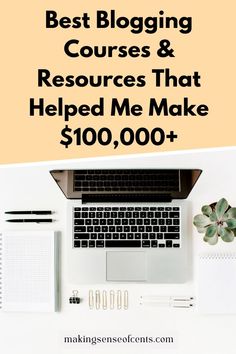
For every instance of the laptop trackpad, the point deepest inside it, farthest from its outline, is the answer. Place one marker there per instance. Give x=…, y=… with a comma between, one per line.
x=126, y=266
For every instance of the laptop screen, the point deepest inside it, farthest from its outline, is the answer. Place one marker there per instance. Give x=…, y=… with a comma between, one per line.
x=163, y=183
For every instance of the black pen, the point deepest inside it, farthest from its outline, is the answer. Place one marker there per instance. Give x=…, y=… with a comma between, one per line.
x=30, y=220
x=35, y=212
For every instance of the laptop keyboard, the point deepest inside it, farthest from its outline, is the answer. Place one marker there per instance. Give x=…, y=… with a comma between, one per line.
x=125, y=227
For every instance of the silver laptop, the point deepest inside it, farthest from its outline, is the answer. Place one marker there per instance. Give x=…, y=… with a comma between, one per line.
x=127, y=225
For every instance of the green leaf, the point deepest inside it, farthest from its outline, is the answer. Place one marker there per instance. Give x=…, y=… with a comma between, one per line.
x=213, y=240
x=206, y=210
x=221, y=207
x=213, y=216
x=211, y=231
x=232, y=213
x=201, y=220
x=201, y=230
x=226, y=234
x=231, y=223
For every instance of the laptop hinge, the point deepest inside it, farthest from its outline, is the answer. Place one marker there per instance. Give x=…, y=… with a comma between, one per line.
x=123, y=198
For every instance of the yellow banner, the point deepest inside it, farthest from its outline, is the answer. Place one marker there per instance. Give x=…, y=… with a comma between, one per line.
x=81, y=79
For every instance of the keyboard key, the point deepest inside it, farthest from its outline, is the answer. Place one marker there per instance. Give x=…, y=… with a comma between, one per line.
x=161, y=245
x=168, y=243
x=99, y=244
x=122, y=236
x=137, y=236
x=101, y=236
x=93, y=236
x=173, y=228
x=79, y=229
x=108, y=236
x=84, y=244
x=171, y=236
x=145, y=243
x=79, y=222
x=76, y=243
x=115, y=236
x=125, y=243
x=175, y=221
x=159, y=236
x=176, y=245
x=130, y=236
x=81, y=236
x=174, y=214
x=163, y=229
x=154, y=243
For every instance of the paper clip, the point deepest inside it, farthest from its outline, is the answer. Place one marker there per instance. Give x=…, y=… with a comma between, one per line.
x=119, y=300
x=97, y=299
x=112, y=299
x=91, y=299
x=104, y=300
x=126, y=300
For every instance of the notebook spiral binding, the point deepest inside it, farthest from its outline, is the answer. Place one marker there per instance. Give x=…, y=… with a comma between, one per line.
x=209, y=256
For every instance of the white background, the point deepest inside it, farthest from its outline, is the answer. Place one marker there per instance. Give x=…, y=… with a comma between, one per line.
x=31, y=187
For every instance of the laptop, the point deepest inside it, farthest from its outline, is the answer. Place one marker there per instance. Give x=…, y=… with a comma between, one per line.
x=127, y=225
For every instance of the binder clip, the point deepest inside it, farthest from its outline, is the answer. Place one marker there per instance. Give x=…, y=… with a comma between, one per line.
x=74, y=299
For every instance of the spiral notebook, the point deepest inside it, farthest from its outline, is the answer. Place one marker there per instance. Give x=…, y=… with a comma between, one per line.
x=217, y=283
x=28, y=277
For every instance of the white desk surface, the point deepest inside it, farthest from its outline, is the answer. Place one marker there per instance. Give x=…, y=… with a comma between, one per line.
x=31, y=187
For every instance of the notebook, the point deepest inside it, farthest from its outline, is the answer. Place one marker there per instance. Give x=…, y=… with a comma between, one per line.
x=217, y=283
x=29, y=271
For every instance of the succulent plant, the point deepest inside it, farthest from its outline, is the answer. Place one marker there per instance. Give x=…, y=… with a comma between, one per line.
x=217, y=220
